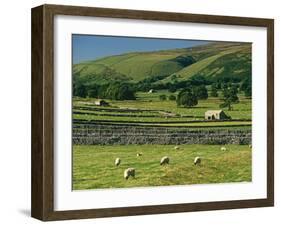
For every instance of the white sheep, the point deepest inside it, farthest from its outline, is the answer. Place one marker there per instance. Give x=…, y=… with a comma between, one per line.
x=130, y=172
x=117, y=161
x=176, y=147
x=139, y=154
x=223, y=148
x=164, y=160
x=197, y=161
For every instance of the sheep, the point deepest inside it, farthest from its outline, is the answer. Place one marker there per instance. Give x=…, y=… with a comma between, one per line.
x=117, y=161
x=139, y=154
x=197, y=161
x=223, y=148
x=176, y=147
x=250, y=146
x=129, y=172
x=164, y=160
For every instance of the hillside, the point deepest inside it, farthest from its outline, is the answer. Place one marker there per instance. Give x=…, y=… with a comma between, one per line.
x=212, y=60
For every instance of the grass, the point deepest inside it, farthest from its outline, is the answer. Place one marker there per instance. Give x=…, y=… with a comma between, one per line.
x=137, y=66
x=93, y=166
x=124, y=121
x=199, y=66
x=146, y=101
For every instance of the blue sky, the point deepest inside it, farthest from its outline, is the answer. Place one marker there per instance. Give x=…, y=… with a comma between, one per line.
x=91, y=47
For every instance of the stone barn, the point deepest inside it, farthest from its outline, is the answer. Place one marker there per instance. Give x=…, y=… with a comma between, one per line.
x=215, y=115
x=101, y=103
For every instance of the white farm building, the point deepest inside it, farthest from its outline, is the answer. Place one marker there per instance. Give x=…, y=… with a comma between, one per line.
x=215, y=115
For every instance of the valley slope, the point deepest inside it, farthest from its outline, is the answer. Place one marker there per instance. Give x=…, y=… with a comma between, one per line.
x=214, y=60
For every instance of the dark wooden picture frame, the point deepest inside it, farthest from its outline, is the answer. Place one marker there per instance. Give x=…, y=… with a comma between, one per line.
x=42, y=203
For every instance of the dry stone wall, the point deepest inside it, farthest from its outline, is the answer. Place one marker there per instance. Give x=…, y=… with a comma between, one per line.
x=89, y=134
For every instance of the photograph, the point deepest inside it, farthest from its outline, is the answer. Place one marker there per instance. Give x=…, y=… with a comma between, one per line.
x=160, y=112
x=138, y=112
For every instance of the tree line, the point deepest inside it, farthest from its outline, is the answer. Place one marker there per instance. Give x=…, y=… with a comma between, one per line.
x=190, y=91
x=196, y=80
x=189, y=97
x=112, y=91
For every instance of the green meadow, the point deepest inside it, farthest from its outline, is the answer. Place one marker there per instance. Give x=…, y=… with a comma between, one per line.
x=149, y=109
x=93, y=166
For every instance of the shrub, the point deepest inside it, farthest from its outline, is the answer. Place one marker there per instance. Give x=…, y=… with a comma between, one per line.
x=201, y=92
x=214, y=90
x=172, y=97
x=163, y=97
x=187, y=98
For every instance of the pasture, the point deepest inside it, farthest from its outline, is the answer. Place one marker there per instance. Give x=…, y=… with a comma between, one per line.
x=93, y=166
x=147, y=108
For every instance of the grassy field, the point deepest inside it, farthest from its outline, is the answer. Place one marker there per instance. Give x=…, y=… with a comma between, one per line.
x=149, y=109
x=93, y=166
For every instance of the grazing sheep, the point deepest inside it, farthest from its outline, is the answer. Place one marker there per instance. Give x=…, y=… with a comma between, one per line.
x=130, y=172
x=164, y=160
x=139, y=154
x=176, y=147
x=117, y=161
x=223, y=148
x=197, y=161
x=250, y=146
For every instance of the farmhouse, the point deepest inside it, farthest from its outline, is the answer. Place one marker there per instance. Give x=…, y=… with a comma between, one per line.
x=101, y=103
x=215, y=115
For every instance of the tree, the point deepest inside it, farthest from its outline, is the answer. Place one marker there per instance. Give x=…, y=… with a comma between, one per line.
x=201, y=92
x=79, y=90
x=143, y=86
x=125, y=93
x=172, y=97
x=93, y=91
x=172, y=88
x=248, y=92
x=163, y=97
x=224, y=86
x=198, y=80
x=246, y=86
x=117, y=91
x=187, y=98
x=230, y=98
x=110, y=91
x=235, y=86
x=218, y=85
x=214, y=90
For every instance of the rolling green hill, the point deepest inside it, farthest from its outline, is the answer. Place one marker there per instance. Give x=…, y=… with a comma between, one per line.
x=227, y=63
x=212, y=60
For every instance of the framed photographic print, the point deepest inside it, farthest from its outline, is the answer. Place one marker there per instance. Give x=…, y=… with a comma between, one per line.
x=141, y=112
